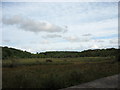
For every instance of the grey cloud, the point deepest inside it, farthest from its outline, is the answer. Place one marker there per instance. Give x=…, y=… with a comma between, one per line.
x=76, y=39
x=6, y=41
x=45, y=42
x=13, y=20
x=71, y=39
x=52, y=36
x=87, y=34
x=99, y=40
x=32, y=25
x=113, y=41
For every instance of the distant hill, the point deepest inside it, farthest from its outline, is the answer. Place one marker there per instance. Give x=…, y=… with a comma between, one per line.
x=85, y=53
x=10, y=53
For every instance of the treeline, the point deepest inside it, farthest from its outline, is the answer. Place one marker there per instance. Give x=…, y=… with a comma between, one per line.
x=9, y=53
x=86, y=53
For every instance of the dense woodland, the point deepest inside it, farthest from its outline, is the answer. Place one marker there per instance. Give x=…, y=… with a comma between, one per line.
x=11, y=53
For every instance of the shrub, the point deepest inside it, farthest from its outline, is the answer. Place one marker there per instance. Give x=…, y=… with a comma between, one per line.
x=48, y=60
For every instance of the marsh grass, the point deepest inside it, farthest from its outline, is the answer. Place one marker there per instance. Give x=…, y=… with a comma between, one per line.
x=57, y=74
x=55, y=61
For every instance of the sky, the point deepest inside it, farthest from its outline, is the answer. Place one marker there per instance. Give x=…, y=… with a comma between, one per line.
x=59, y=26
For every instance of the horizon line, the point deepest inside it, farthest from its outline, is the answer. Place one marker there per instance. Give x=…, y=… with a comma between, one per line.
x=61, y=50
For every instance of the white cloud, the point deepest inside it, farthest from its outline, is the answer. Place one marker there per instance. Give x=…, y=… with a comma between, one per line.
x=99, y=40
x=87, y=34
x=77, y=39
x=6, y=41
x=52, y=36
x=86, y=24
x=94, y=47
x=113, y=41
x=32, y=25
x=72, y=38
x=45, y=42
x=61, y=1
x=97, y=29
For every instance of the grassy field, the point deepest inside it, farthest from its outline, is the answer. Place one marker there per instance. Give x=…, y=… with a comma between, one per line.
x=60, y=73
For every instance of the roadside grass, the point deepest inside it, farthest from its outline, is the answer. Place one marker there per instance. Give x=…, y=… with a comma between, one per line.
x=55, y=75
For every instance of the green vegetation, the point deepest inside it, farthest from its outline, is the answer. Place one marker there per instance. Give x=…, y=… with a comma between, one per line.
x=60, y=73
x=11, y=53
x=55, y=61
x=56, y=70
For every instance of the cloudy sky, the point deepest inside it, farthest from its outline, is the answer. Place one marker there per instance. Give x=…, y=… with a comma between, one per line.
x=53, y=26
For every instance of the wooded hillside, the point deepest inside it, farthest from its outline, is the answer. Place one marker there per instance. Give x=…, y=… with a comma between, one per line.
x=9, y=53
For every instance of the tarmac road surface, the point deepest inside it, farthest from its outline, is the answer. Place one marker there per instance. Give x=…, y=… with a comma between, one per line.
x=106, y=82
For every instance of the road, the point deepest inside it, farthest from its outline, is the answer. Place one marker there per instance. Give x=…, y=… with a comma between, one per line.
x=106, y=82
